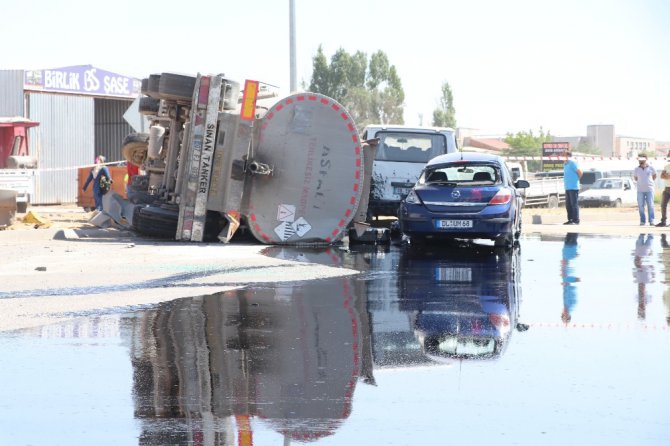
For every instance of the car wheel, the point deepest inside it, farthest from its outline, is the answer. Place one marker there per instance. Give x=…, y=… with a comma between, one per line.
x=517, y=233
x=504, y=241
x=617, y=203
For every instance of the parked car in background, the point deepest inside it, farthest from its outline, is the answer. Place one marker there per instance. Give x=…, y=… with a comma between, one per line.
x=589, y=177
x=464, y=196
x=613, y=192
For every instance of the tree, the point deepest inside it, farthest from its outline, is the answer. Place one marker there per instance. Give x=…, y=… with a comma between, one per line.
x=445, y=114
x=527, y=144
x=370, y=90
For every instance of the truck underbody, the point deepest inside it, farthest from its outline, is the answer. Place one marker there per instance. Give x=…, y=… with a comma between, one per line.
x=293, y=173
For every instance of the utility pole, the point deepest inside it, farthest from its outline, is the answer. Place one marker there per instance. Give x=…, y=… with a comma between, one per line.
x=291, y=8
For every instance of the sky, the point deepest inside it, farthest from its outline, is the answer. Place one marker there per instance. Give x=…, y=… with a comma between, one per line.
x=512, y=65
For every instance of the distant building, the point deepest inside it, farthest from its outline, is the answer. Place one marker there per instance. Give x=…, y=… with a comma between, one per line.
x=631, y=147
x=602, y=137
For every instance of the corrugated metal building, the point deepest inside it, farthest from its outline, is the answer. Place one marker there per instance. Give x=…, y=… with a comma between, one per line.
x=81, y=114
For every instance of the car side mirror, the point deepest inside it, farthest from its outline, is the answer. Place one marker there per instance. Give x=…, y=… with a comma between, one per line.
x=521, y=184
x=626, y=187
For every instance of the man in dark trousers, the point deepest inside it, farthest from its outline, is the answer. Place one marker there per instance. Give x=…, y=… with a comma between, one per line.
x=571, y=175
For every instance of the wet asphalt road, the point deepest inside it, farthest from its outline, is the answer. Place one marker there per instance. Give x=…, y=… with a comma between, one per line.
x=565, y=340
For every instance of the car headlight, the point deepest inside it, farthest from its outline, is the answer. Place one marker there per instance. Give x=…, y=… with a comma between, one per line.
x=412, y=198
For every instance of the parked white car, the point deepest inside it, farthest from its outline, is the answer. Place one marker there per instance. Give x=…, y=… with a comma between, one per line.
x=613, y=192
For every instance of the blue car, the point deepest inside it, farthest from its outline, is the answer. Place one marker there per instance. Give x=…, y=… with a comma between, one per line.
x=464, y=196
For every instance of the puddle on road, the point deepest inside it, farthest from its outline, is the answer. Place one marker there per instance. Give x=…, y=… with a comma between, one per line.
x=421, y=344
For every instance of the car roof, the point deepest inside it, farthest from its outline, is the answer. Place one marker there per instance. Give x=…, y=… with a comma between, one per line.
x=407, y=128
x=465, y=156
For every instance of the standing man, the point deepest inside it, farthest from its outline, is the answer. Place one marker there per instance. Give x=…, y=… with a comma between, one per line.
x=644, y=175
x=571, y=175
x=665, y=174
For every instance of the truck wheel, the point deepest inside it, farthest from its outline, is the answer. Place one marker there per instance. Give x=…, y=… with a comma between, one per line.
x=149, y=105
x=155, y=221
x=176, y=87
x=552, y=202
x=21, y=207
x=152, y=85
x=617, y=203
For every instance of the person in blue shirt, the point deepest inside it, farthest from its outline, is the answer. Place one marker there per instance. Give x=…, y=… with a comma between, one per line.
x=98, y=172
x=568, y=278
x=571, y=175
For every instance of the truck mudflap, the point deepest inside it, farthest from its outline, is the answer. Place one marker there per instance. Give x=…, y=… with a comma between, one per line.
x=311, y=146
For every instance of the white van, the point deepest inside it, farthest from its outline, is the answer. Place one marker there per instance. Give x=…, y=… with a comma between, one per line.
x=401, y=155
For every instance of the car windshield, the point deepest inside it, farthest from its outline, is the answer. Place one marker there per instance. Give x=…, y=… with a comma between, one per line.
x=462, y=174
x=409, y=147
x=605, y=183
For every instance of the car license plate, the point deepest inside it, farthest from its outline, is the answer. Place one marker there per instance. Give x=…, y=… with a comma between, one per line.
x=402, y=191
x=442, y=224
x=453, y=274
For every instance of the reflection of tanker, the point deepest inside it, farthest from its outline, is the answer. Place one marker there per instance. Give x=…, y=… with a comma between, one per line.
x=290, y=357
x=465, y=302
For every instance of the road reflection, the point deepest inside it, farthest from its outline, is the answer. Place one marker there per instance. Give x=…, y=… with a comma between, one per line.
x=568, y=277
x=289, y=355
x=292, y=355
x=464, y=303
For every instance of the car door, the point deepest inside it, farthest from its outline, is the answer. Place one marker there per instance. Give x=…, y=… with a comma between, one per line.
x=628, y=194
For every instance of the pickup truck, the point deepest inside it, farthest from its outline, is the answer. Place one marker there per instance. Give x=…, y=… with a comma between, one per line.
x=546, y=188
x=23, y=182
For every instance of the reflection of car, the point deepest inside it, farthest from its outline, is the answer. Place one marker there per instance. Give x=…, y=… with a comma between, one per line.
x=465, y=301
x=614, y=192
x=464, y=195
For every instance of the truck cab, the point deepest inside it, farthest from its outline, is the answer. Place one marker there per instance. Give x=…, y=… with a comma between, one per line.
x=401, y=155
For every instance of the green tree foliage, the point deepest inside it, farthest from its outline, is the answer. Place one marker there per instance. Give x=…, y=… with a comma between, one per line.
x=370, y=90
x=527, y=144
x=445, y=114
x=586, y=147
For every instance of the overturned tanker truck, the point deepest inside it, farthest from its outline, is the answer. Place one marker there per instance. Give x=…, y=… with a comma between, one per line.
x=295, y=172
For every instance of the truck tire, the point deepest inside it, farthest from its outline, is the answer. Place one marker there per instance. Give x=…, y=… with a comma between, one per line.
x=155, y=221
x=149, y=105
x=617, y=203
x=152, y=85
x=176, y=87
x=552, y=202
x=21, y=207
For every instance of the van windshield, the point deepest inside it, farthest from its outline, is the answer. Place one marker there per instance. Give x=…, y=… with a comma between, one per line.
x=409, y=147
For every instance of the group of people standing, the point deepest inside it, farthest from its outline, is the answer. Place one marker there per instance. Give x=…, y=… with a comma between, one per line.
x=645, y=177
